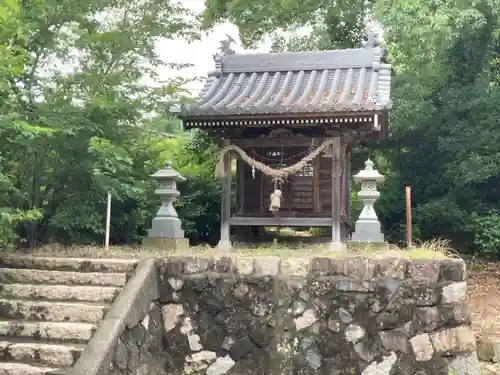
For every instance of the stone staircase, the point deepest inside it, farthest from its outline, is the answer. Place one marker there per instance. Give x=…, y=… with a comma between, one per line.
x=50, y=308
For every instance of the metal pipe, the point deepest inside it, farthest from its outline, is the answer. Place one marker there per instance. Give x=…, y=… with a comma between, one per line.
x=408, y=217
x=108, y=221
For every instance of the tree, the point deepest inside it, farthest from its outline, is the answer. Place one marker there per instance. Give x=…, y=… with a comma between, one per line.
x=331, y=24
x=445, y=117
x=74, y=126
x=12, y=127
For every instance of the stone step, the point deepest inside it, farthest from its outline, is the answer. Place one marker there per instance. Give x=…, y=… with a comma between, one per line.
x=67, y=264
x=52, y=311
x=31, y=276
x=10, y=368
x=41, y=353
x=50, y=331
x=59, y=292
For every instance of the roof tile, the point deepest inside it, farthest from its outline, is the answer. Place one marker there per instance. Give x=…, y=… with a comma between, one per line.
x=297, y=82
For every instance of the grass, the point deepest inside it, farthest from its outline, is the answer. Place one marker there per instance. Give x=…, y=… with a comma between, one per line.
x=436, y=249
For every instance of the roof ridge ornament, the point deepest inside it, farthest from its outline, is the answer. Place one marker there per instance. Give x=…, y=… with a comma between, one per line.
x=373, y=36
x=224, y=48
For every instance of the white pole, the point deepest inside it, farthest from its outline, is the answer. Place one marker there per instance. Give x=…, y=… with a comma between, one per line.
x=108, y=220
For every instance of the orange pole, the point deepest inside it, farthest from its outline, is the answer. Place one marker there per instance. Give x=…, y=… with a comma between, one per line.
x=408, y=216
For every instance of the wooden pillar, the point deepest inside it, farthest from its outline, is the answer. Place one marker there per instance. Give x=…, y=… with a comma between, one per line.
x=336, y=243
x=225, y=214
x=347, y=172
x=343, y=188
x=240, y=187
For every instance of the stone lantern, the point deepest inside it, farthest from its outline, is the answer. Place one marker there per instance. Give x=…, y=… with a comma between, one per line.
x=367, y=227
x=166, y=230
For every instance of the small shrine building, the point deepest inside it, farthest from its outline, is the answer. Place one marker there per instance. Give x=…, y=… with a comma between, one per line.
x=291, y=119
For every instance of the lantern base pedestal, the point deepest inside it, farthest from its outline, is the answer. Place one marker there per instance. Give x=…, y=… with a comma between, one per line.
x=166, y=233
x=166, y=227
x=165, y=243
x=367, y=231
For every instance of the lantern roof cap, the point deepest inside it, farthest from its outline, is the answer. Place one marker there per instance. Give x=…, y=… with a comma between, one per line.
x=168, y=173
x=368, y=174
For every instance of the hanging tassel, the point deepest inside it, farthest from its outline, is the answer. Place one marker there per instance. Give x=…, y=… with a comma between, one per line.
x=253, y=172
x=275, y=199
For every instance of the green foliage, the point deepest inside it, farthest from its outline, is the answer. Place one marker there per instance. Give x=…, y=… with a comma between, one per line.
x=336, y=23
x=75, y=113
x=9, y=219
x=73, y=121
x=446, y=102
x=445, y=119
x=486, y=229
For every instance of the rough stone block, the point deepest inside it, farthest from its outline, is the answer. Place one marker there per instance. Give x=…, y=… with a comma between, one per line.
x=422, y=347
x=362, y=269
x=464, y=364
x=305, y=320
x=294, y=267
x=395, y=340
x=391, y=268
x=173, y=267
x=320, y=267
x=453, y=270
x=224, y=265
x=354, y=333
x=346, y=285
x=428, y=318
x=171, y=315
x=424, y=270
x=489, y=369
x=455, y=314
x=383, y=367
x=425, y=294
x=454, y=293
x=244, y=266
x=488, y=348
x=195, y=265
x=267, y=266
x=221, y=366
x=457, y=339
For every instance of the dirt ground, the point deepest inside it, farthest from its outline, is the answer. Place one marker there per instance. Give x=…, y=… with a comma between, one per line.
x=484, y=302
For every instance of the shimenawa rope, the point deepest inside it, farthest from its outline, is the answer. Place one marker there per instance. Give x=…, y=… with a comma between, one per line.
x=277, y=175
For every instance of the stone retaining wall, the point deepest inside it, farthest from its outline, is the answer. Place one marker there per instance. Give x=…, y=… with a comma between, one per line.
x=291, y=316
x=319, y=316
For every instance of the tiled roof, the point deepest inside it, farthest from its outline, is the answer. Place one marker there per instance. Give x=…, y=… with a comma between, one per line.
x=295, y=82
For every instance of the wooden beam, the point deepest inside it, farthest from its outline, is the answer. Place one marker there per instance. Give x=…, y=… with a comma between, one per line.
x=297, y=141
x=282, y=221
x=225, y=241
